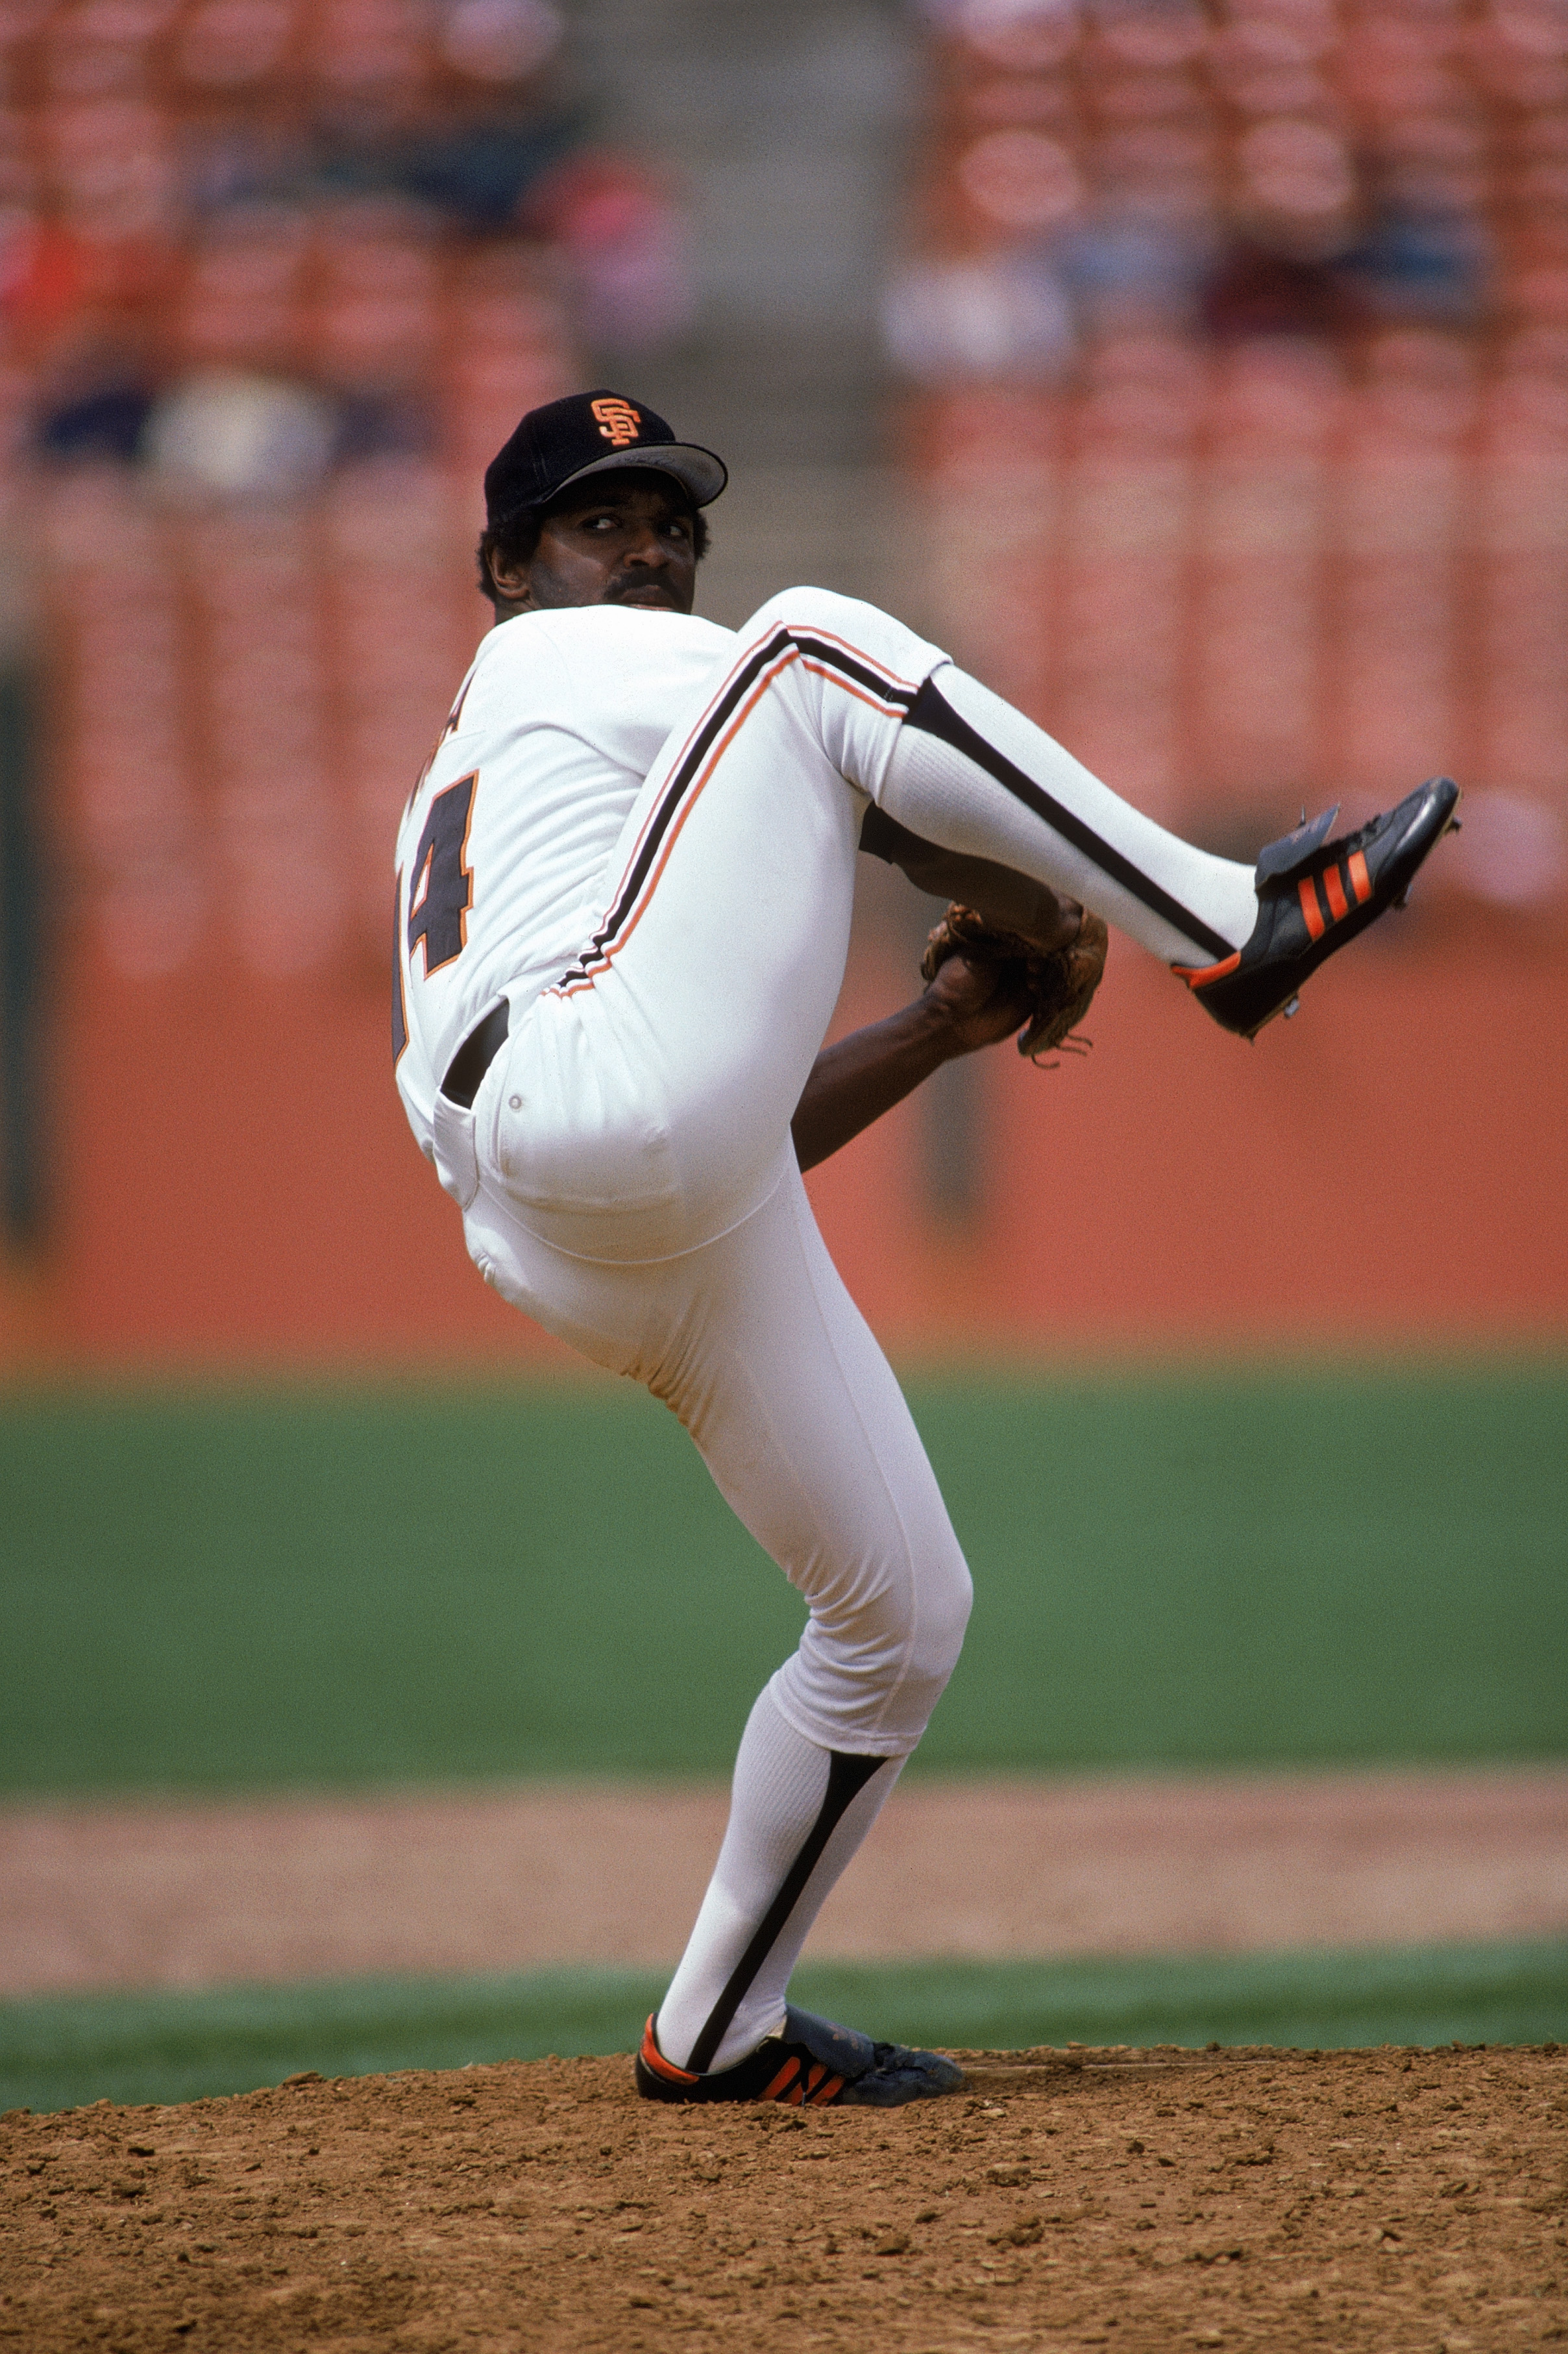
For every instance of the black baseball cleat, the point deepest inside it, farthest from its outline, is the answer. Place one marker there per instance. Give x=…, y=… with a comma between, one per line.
x=1313, y=896
x=812, y=2064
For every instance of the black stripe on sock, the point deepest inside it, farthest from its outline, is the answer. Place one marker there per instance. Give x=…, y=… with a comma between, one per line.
x=847, y=1777
x=888, y=690
x=936, y=716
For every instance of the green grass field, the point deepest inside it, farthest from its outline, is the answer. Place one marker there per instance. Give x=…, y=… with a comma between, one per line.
x=59, y=2052
x=319, y=1587
x=273, y=1588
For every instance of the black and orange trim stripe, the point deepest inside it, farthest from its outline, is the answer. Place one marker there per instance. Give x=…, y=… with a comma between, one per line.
x=935, y=715
x=831, y=658
x=399, y=999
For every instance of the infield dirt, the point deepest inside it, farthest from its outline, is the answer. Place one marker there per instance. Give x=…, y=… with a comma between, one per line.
x=1381, y=2200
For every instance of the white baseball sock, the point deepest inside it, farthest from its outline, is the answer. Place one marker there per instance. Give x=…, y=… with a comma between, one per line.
x=798, y=1812
x=971, y=774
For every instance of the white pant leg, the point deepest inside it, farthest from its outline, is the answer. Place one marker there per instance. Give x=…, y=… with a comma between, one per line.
x=754, y=1342
x=971, y=773
x=647, y=1097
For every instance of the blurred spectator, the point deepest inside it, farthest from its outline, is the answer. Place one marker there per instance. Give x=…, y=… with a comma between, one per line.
x=1293, y=213
x=1414, y=262
x=1331, y=550
x=1127, y=264
x=1008, y=317
x=623, y=238
x=481, y=174
x=1256, y=289
x=97, y=407
x=500, y=41
x=233, y=436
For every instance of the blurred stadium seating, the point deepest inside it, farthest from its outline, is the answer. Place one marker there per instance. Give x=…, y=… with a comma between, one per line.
x=271, y=305
x=1261, y=316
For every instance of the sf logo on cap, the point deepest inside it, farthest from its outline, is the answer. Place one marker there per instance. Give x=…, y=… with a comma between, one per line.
x=617, y=421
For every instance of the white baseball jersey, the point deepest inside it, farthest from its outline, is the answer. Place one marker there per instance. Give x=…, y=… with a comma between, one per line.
x=503, y=848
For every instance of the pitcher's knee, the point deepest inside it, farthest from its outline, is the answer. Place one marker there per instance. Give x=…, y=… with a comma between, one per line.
x=942, y=1597
x=803, y=607
x=868, y=1677
x=944, y=1601
x=854, y=633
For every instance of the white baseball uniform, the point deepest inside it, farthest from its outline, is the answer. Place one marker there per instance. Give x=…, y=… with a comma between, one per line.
x=640, y=831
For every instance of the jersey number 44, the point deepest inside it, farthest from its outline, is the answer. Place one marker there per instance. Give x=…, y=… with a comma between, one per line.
x=441, y=892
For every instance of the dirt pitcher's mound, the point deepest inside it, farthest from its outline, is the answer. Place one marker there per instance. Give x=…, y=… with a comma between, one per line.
x=1384, y=2200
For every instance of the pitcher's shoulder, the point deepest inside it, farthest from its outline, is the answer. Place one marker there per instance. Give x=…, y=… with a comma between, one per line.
x=617, y=627
x=602, y=649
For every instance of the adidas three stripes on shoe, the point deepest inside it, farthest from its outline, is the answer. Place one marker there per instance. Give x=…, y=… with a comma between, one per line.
x=812, y=2064
x=1313, y=897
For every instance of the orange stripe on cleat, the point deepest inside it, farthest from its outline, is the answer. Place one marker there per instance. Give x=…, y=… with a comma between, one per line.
x=653, y=2058
x=1334, y=892
x=1361, y=881
x=817, y=2071
x=1198, y=976
x=1307, y=892
x=820, y=2098
x=796, y=2096
x=787, y=2075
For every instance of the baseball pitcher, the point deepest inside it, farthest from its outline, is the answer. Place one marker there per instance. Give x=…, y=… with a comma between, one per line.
x=624, y=898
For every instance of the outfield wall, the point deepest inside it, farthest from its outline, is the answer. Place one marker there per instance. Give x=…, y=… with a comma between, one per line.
x=233, y=1182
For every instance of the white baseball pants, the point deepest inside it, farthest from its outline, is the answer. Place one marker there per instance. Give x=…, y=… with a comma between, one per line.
x=627, y=1178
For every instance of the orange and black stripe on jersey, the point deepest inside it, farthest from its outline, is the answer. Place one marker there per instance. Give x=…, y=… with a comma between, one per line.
x=844, y=665
x=922, y=706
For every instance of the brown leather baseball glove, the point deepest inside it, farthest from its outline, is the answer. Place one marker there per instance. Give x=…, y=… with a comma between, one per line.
x=1057, y=986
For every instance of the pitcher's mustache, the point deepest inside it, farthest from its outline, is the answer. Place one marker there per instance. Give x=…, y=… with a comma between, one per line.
x=625, y=582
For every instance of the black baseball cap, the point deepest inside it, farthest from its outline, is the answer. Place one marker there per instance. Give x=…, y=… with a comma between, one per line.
x=590, y=433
